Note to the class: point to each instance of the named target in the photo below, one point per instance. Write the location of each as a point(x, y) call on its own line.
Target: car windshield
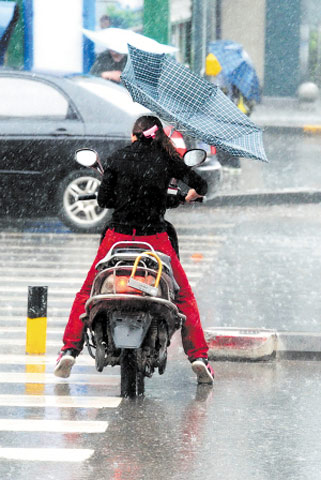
point(115, 94)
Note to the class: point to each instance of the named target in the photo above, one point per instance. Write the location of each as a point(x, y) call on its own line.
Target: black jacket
point(135, 185)
point(105, 63)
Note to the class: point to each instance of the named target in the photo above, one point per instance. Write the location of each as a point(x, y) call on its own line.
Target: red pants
point(192, 333)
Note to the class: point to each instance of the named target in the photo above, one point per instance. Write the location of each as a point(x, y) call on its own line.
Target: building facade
point(283, 38)
point(269, 30)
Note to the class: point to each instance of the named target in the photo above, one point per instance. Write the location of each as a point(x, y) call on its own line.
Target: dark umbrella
point(192, 104)
point(237, 67)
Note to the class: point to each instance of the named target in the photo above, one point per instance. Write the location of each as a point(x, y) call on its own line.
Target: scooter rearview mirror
point(194, 157)
point(87, 157)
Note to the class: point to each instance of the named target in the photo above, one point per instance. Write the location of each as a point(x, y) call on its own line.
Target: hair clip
point(151, 132)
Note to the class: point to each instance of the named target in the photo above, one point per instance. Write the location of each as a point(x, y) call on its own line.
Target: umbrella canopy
point(237, 67)
point(192, 104)
point(117, 39)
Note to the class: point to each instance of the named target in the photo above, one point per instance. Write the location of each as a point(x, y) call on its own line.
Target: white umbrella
point(117, 39)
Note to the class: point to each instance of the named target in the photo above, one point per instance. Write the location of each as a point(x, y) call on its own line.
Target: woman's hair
point(149, 130)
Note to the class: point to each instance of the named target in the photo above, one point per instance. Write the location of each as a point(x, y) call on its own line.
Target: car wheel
point(80, 215)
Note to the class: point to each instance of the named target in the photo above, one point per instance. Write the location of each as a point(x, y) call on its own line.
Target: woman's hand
point(113, 75)
point(192, 195)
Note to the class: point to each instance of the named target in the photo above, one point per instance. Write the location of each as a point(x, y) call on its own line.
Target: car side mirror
point(194, 157)
point(87, 157)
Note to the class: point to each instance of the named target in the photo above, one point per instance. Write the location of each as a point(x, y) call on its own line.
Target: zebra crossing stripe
point(60, 401)
point(10, 359)
point(23, 289)
point(18, 342)
point(53, 426)
point(46, 454)
point(47, 378)
point(52, 330)
point(54, 280)
point(202, 226)
point(200, 238)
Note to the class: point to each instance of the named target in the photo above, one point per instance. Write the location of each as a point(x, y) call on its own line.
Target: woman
point(135, 185)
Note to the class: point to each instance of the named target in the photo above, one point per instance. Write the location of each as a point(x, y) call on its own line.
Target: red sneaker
point(65, 362)
point(203, 370)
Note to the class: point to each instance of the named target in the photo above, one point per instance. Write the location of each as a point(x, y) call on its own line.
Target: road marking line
point(18, 342)
point(20, 321)
point(61, 236)
point(89, 247)
point(59, 282)
point(34, 279)
point(11, 359)
point(62, 303)
point(24, 290)
point(201, 238)
point(59, 401)
point(61, 426)
point(200, 226)
point(63, 250)
point(53, 249)
point(52, 272)
point(47, 378)
point(51, 330)
point(69, 263)
point(205, 251)
point(46, 454)
point(63, 312)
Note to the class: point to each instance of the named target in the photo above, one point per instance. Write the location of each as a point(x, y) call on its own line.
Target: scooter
point(131, 314)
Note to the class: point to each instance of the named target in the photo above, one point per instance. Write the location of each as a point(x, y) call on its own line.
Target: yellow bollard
point(212, 65)
point(36, 321)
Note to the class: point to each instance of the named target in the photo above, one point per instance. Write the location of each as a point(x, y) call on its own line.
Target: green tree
point(124, 18)
point(315, 57)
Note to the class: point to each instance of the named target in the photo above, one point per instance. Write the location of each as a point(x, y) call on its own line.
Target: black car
point(43, 121)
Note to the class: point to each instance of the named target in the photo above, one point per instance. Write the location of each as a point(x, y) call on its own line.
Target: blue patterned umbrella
point(193, 105)
point(237, 67)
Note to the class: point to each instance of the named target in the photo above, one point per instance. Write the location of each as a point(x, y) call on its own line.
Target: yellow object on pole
point(241, 105)
point(36, 321)
point(212, 65)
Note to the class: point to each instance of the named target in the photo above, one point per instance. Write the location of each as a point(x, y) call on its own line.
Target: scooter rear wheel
point(100, 347)
point(132, 380)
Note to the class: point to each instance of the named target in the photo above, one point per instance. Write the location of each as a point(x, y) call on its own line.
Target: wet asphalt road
point(267, 269)
point(250, 266)
point(255, 266)
point(294, 166)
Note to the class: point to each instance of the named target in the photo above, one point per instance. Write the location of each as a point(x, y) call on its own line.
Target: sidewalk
point(288, 113)
point(291, 132)
point(292, 139)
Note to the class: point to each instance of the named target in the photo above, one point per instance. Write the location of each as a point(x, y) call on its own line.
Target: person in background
point(109, 65)
point(104, 22)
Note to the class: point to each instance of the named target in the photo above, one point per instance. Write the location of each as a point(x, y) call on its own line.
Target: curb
point(243, 344)
point(286, 128)
point(268, 198)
